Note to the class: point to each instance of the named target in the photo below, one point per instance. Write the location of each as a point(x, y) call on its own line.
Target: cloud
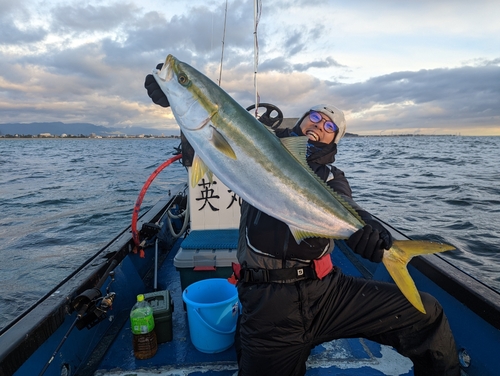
point(461, 96)
point(10, 34)
point(86, 61)
point(16, 25)
point(326, 63)
point(281, 64)
point(296, 41)
point(91, 18)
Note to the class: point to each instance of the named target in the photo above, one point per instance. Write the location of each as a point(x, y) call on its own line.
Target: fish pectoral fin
point(300, 234)
point(397, 258)
point(198, 170)
point(220, 143)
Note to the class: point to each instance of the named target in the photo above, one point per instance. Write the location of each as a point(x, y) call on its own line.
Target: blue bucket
point(212, 310)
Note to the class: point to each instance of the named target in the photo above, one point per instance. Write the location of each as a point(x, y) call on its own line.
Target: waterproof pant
point(281, 323)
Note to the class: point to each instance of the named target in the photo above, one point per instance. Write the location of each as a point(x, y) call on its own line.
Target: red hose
point(137, 206)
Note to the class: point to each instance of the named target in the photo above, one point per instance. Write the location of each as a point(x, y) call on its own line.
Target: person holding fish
point(294, 299)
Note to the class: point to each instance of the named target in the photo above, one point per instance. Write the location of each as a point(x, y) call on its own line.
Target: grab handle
point(211, 327)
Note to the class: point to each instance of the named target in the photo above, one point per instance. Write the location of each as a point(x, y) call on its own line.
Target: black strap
point(277, 275)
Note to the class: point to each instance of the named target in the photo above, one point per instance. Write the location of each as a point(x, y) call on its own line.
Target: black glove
point(370, 241)
point(154, 91)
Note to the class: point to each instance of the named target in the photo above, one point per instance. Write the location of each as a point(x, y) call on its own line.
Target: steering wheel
point(266, 118)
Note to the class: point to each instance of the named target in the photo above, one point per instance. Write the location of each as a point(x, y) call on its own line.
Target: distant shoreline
point(348, 135)
point(30, 137)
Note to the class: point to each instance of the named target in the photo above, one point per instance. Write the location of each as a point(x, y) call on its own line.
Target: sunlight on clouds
point(283, 89)
point(15, 51)
point(390, 67)
point(156, 117)
point(7, 85)
point(381, 112)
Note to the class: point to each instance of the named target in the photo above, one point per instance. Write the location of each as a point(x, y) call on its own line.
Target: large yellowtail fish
point(269, 173)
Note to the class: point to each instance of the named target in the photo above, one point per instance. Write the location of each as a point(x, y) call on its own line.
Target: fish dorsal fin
point(220, 143)
point(198, 170)
point(270, 129)
point(297, 147)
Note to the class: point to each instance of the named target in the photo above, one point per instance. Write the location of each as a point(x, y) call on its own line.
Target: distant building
point(44, 135)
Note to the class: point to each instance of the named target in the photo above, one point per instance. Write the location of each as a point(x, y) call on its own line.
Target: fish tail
point(397, 258)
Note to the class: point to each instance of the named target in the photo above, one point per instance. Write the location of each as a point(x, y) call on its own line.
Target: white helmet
point(336, 115)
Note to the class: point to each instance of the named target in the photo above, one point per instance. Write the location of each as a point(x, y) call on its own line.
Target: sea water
point(62, 200)
point(438, 188)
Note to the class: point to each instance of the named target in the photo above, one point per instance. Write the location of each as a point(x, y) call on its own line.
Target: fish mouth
point(166, 72)
point(313, 136)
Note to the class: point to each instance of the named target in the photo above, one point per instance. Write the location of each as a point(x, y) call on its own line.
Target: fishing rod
point(85, 303)
point(223, 43)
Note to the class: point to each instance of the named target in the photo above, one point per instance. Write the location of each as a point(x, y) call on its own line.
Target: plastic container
point(206, 254)
point(162, 306)
point(142, 324)
point(212, 308)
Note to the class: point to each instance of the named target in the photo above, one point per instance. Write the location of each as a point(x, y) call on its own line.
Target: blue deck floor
point(341, 357)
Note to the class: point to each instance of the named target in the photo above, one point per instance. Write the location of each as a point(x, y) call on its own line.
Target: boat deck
point(179, 357)
point(44, 339)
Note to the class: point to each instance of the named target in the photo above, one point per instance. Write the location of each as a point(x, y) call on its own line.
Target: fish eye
point(183, 79)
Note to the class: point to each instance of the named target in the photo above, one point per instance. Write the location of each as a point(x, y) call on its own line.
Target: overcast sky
point(392, 66)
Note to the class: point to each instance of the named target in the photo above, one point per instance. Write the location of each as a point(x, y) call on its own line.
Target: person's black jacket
point(270, 236)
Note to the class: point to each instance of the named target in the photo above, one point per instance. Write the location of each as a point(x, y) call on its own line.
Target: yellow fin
point(270, 129)
point(221, 144)
point(300, 235)
point(397, 258)
point(198, 170)
point(297, 147)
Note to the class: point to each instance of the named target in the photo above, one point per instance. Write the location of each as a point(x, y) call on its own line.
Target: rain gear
point(284, 318)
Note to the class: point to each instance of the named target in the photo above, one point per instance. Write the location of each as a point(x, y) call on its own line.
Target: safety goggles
point(328, 126)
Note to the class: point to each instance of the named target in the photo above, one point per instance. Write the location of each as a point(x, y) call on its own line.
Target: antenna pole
point(223, 42)
point(257, 6)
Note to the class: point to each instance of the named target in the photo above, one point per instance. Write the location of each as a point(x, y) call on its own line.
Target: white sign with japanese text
point(213, 205)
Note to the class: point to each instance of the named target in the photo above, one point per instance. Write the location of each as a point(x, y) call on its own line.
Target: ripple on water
point(63, 200)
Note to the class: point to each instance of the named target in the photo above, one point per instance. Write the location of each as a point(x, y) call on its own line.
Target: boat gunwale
point(474, 294)
point(25, 334)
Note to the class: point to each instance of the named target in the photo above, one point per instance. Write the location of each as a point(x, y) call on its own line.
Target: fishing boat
point(189, 240)
point(82, 326)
